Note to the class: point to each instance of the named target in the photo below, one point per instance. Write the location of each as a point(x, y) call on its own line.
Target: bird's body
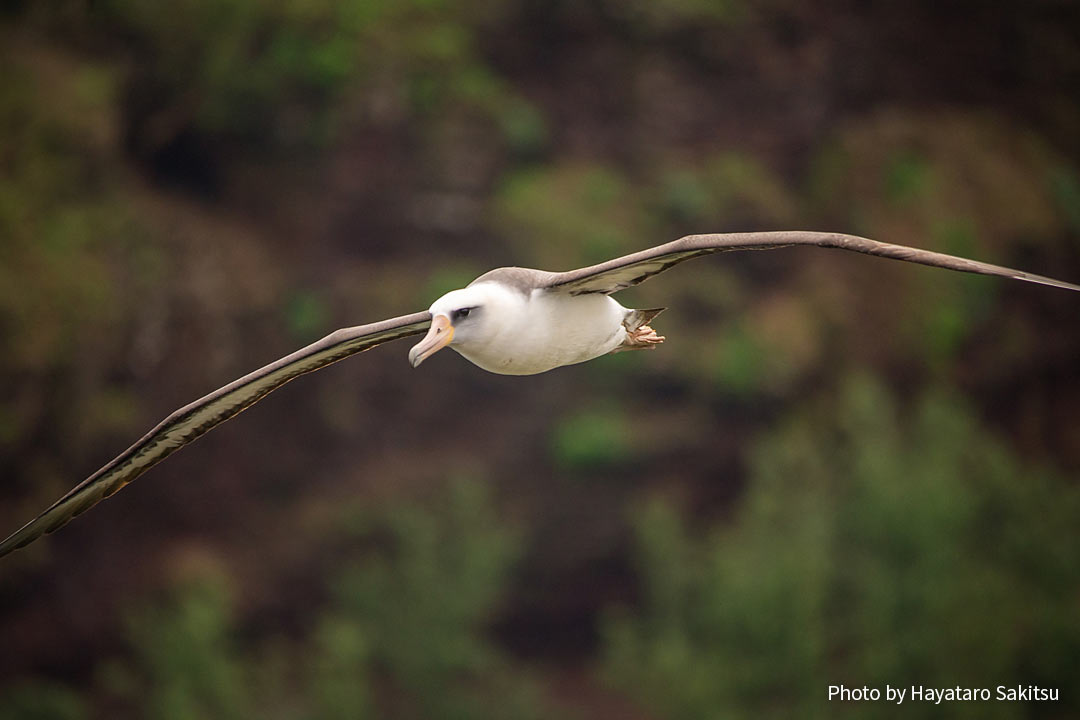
point(512, 321)
point(515, 331)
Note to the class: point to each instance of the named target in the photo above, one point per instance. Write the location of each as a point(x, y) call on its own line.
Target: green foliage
point(288, 73)
point(524, 127)
point(405, 630)
point(907, 177)
point(242, 59)
point(577, 213)
point(306, 314)
point(57, 224)
point(340, 662)
point(872, 547)
point(931, 180)
point(684, 197)
point(1065, 186)
point(187, 665)
point(572, 213)
point(872, 544)
point(906, 172)
point(421, 606)
point(721, 188)
point(951, 311)
point(592, 439)
point(40, 700)
point(444, 279)
point(740, 358)
point(768, 349)
point(73, 251)
point(416, 610)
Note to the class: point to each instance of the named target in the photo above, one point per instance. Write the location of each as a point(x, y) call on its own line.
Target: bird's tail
point(637, 318)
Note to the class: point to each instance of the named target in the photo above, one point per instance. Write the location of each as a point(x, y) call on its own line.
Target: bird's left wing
point(191, 421)
point(629, 270)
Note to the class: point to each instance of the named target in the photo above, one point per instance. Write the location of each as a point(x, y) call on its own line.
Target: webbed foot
point(641, 338)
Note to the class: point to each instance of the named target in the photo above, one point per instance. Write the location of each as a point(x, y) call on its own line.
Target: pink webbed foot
point(642, 338)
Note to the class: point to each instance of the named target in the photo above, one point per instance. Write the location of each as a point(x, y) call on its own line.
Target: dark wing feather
point(191, 421)
point(624, 272)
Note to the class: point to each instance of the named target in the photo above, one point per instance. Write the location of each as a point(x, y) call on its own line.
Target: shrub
point(872, 547)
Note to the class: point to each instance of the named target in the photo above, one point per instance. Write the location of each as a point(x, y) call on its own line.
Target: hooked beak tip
point(439, 336)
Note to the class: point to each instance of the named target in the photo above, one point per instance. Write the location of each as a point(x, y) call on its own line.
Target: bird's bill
point(438, 336)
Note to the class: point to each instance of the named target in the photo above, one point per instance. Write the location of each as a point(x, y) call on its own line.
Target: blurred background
point(836, 470)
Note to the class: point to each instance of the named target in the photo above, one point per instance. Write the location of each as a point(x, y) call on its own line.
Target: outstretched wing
point(624, 272)
point(191, 421)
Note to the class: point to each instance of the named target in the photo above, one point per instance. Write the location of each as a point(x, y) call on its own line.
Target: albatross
point(511, 321)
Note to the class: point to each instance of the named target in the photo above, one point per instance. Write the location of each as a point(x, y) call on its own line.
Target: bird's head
point(459, 317)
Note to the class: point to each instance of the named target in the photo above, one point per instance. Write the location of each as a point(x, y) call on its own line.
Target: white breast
point(525, 335)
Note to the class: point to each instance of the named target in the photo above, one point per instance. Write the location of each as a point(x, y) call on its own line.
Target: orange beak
point(438, 336)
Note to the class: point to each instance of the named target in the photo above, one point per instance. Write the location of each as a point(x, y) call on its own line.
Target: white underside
point(546, 330)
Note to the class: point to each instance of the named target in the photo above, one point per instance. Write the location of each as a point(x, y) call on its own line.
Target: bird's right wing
point(191, 421)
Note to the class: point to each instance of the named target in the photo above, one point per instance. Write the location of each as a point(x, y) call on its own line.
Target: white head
point(464, 317)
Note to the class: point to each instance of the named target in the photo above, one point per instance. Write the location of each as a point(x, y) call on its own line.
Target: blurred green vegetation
point(722, 189)
point(307, 315)
point(73, 251)
point(959, 308)
point(421, 608)
point(863, 539)
point(593, 439)
point(187, 664)
point(290, 74)
point(60, 217)
point(581, 213)
point(927, 179)
point(404, 634)
point(740, 360)
point(767, 349)
point(574, 214)
point(1066, 191)
point(41, 700)
point(875, 544)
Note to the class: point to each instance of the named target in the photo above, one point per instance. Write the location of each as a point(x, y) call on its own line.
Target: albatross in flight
point(512, 321)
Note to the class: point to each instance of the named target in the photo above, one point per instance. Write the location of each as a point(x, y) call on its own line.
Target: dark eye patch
point(461, 313)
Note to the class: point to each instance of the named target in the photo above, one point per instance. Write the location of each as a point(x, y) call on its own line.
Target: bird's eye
point(461, 314)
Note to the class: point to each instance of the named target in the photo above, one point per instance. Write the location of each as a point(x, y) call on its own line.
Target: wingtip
point(1051, 282)
point(42, 525)
point(12, 543)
